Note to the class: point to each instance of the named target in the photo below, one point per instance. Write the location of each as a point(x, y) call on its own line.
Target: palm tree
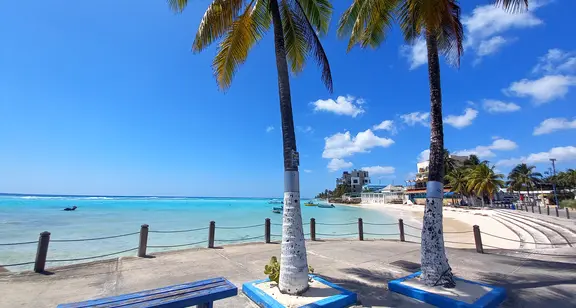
point(367, 23)
point(484, 182)
point(523, 176)
point(296, 24)
point(458, 180)
point(449, 162)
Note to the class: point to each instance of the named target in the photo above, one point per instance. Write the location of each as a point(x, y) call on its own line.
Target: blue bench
point(201, 293)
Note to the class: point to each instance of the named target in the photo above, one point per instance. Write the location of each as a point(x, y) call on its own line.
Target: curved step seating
point(554, 236)
point(539, 237)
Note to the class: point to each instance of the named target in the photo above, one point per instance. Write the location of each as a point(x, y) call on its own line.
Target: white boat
point(275, 201)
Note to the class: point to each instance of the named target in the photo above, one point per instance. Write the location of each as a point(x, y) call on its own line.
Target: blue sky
point(106, 98)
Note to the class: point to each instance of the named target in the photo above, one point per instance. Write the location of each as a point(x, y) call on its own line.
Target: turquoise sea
point(23, 218)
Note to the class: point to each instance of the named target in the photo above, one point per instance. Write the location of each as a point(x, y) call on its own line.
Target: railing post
point(539, 210)
point(557, 214)
point(532, 208)
point(526, 208)
point(567, 213)
point(360, 230)
point(211, 232)
point(42, 252)
point(267, 230)
point(313, 229)
point(143, 241)
point(401, 227)
point(548, 210)
point(478, 239)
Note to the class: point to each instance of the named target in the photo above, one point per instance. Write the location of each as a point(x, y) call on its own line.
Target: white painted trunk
point(293, 262)
point(435, 268)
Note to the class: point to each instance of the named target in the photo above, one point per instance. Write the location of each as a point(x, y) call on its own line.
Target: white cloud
point(269, 128)
point(556, 61)
point(343, 105)
point(307, 170)
point(375, 170)
point(416, 118)
point(416, 53)
point(490, 46)
point(336, 164)
point(386, 125)
point(305, 129)
point(342, 145)
point(423, 156)
point(487, 150)
point(461, 121)
point(495, 106)
point(561, 154)
point(543, 90)
point(410, 176)
point(554, 124)
point(485, 26)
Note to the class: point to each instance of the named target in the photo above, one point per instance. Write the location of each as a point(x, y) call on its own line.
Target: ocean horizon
point(238, 219)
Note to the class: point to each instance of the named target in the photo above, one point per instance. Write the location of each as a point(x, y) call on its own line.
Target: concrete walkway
point(532, 280)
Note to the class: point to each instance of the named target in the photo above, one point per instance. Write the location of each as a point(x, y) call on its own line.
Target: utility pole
point(553, 160)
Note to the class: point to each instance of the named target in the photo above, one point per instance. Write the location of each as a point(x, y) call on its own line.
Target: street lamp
point(553, 160)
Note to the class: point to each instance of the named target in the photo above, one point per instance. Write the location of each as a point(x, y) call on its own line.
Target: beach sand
point(458, 224)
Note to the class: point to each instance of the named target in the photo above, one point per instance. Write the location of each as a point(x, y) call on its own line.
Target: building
point(387, 194)
point(416, 188)
point(356, 179)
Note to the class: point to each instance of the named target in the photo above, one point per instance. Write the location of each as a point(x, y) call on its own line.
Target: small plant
point(272, 269)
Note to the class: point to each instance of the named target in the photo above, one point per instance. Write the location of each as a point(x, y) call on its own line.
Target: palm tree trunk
point(435, 268)
point(293, 262)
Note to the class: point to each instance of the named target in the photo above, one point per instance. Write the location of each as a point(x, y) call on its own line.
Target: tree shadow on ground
point(371, 286)
point(534, 290)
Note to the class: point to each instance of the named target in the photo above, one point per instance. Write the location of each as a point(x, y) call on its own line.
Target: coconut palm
point(484, 182)
point(458, 180)
point(523, 176)
point(367, 22)
point(239, 25)
point(449, 162)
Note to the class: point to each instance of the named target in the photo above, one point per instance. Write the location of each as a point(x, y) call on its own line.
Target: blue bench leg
point(205, 305)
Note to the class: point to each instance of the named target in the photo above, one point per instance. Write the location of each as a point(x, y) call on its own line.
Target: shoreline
point(458, 224)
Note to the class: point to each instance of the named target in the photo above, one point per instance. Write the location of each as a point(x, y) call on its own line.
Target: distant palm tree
point(484, 182)
point(523, 176)
point(367, 22)
point(449, 162)
point(296, 24)
point(458, 180)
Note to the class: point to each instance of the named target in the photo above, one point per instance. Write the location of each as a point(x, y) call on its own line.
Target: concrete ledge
point(344, 298)
point(491, 296)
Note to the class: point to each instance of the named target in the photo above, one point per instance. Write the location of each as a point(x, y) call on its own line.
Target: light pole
point(553, 160)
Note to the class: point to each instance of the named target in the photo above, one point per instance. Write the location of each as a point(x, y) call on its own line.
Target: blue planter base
point(492, 298)
point(344, 299)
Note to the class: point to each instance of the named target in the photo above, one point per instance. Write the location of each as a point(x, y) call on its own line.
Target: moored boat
point(327, 206)
point(310, 203)
point(278, 208)
point(277, 211)
point(275, 201)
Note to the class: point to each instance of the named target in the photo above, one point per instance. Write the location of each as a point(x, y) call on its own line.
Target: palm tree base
point(293, 263)
point(434, 263)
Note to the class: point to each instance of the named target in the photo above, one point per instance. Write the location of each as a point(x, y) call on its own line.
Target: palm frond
point(217, 19)
point(177, 5)
point(243, 33)
point(451, 34)
point(410, 19)
point(294, 36)
point(366, 21)
point(315, 47)
point(512, 5)
point(318, 12)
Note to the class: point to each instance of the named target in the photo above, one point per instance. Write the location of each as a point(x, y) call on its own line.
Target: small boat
point(278, 208)
point(310, 203)
point(327, 206)
point(275, 201)
point(277, 211)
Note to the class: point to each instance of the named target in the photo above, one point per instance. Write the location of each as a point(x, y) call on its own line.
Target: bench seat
point(202, 293)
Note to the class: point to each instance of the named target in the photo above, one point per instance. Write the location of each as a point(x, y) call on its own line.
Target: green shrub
point(568, 203)
point(272, 269)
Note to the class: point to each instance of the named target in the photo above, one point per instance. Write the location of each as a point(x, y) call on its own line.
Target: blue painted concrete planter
point(344, 299)
point(492, 298)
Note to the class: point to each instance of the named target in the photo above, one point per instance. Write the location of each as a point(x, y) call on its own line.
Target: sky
point(106, 98)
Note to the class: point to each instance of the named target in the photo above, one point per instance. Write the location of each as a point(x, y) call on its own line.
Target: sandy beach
point(457, 225)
